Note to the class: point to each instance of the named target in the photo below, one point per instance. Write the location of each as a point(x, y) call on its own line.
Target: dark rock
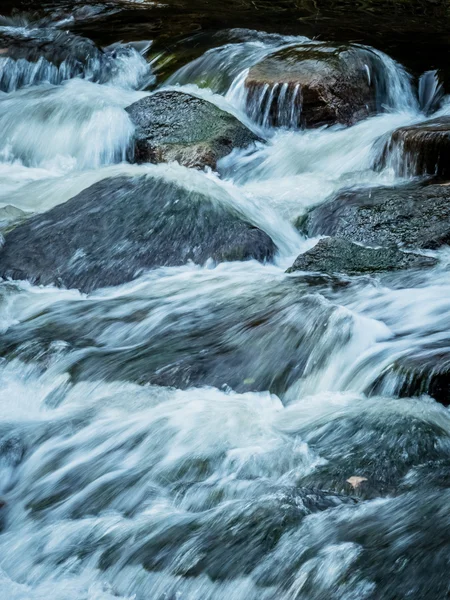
point(422, 149)
point(411, 216)
point(424, 371)
point(53, 45)
point(314, 84)
point(45, 54)
point(265, 337)
point(229, 540)
point(337, 255)
point(174, 126)
point(119, 227)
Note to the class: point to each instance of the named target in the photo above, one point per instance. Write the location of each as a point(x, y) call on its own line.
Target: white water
point(119, 489)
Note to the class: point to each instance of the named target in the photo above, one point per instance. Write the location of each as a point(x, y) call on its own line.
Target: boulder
point(337, 255)
point(119, 227)
point(174, 126)
point(312, 85)
point(411, 216)
point(422, 149)
point(256, 336)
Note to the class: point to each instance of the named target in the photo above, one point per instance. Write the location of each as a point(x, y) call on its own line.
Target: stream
point(289, 466)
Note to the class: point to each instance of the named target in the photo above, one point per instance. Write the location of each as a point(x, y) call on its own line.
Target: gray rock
point(54, 45)
point(265, 337)
point(333, 85)
point(337, 255)
point(174, 126)
point(422, 149)
point(117, 228)
point(411, 216)
point(424, 371)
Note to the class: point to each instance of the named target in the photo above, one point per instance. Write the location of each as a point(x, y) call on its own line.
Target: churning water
point(235, 488)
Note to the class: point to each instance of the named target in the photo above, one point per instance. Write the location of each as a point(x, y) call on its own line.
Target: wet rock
point(29, 56)
point(312, 85)
point(410, 216)
point(228, 541)
point(174, 126)
point(426, 371)
point(337, 255)
point(422, 149)
point(119, 227)
point(266, 337)
point(370, 447)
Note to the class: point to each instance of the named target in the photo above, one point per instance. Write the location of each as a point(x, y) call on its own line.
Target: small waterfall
point(431, 92)
point(280, 103)
point(122, 65)
point(70, 123)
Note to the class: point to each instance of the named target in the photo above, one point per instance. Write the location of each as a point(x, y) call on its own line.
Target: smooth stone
point(114, 230)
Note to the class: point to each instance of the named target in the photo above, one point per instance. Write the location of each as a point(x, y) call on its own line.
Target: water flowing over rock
point(314, 85)
point(30, 56)
point(34, 55)
point(175, 126)
point(120, 227)
point(336, 255)
point(422, 149)
point(181, 418)
point(267, 337)
point(411, 216)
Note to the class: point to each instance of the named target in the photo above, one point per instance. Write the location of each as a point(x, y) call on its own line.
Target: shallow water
point(191, 434)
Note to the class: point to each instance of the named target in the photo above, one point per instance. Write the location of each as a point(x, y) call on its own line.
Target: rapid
point(239, 485)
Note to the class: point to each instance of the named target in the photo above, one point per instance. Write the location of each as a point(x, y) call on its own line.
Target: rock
point(29, 56)
point(337, 255)
point(174, 126)
point(312, 85)
point(411, 216)
point(426, 371)
point(119, 227)
point(422, 149)
point(265, 335)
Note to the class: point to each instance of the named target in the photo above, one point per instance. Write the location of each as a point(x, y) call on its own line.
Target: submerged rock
point(255, 336)
point(312, 85)
point(337, 255)
point(119, 227)
point(174, 126)
point(422, 149)
point(410, 216)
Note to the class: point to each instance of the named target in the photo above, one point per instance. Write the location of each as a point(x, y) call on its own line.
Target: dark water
point(224, 431)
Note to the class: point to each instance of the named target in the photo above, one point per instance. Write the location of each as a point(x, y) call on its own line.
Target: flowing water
point(235, 486)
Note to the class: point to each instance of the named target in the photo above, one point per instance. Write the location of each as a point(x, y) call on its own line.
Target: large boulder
point(337, 255)
point(411, 216)
point(117, 228)
point(422, 149)
point(175, 126)
point(313, 84)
